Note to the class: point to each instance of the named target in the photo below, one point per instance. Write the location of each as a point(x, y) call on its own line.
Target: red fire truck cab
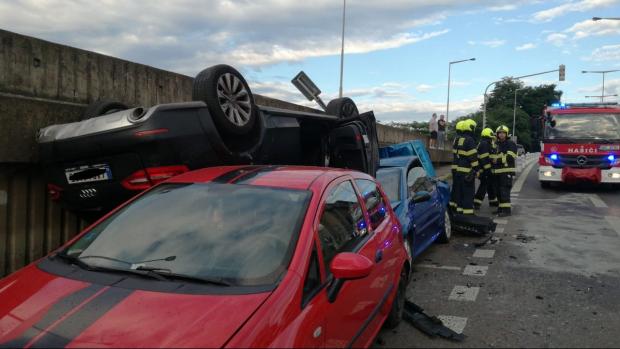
point(581, 143)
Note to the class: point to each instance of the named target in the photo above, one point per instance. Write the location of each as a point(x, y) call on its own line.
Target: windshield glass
point(237, 233)
point(390, 182)
point(580, 126)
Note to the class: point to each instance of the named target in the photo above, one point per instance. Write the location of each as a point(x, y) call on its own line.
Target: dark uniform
point(467, 165)
point(485, 151)
point(455, 193)
point(505, 170)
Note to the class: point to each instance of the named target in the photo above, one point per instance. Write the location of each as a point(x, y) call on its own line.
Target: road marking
point(464, 294)
point(522, 177)
point(614, 222)
point(475, 270)
point(500, 221)
point(499, 230)
point(596, 200)
point(433, 266)
point(484, 253)
point(455, 323)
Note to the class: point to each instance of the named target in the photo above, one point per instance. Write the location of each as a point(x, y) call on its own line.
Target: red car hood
point(38, 309)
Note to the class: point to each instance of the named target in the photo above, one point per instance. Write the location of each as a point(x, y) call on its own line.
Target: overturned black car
point(95, 164)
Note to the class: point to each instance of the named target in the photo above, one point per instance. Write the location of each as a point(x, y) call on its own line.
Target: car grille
point(584, 161)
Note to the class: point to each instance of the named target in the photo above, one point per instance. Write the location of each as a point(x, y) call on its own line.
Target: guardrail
point(524, 160)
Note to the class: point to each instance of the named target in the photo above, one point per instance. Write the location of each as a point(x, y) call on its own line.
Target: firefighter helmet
point(459, 125)
point(470, 125)
point(503, 129)
point(487, 132)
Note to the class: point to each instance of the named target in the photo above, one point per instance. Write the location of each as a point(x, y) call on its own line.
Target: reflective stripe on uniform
point(468, 153)
point(478, 201)
point(475, 164)
point(454, 167)
point(505, 205)
point(463, 169)
point(483, 155)
point(505, 170)
point(493, 201)
point(461, 141)
point(511, 153)
point(468, 211)
point(459, 210)
point(487, 166)
point(452, 204)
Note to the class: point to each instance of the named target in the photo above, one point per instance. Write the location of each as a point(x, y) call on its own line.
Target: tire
point(396, 313)
point(228, 98)
point(446, 234)
point(545, 184)
point(342, 107)
point(103, 107)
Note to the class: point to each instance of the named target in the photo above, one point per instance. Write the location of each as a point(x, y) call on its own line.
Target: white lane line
point(596, 201)
point(522, 177)
point(614, 222)
point(500, 221)
point(484, 253)
point(475, 270)
point(464, 294)
point(455, 323)
point(432, 266)
point(499, 230)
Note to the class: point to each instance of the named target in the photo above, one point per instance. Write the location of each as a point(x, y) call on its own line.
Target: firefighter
point(505, 169)
point(493, 182)
point(485, 152)
point(455, 193)
point(467, 165)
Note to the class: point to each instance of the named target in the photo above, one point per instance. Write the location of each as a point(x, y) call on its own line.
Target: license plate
point(88, 173)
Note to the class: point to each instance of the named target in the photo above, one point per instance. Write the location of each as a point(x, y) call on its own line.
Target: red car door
point(342, 227)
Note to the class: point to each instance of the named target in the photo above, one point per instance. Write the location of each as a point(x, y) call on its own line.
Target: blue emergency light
point(554, 157)
point(611, 158)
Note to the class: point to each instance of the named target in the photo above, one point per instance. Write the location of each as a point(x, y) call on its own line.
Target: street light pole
point(514, 114)
point(344, 10)
point(449, 72)
point(602, 72)
point(484, 105)
point(606, 18)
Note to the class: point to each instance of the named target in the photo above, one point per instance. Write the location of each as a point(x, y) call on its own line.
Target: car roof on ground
point(398, 161)
point(291, 177)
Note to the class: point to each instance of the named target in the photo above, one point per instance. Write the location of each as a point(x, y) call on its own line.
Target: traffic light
point(562, 72)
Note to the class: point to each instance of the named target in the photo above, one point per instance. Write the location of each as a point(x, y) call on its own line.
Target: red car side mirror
point(350, 266)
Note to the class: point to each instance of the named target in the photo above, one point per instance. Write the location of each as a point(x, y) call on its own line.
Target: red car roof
point(292, 177)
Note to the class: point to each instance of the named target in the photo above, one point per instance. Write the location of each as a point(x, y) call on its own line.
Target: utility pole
point(449, 71)
point(602, 72)
point(344, 11)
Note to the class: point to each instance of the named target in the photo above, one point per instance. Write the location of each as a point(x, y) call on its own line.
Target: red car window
point(342, 223)
point(375, 204)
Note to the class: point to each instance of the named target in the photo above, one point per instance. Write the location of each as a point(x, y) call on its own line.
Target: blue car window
point(390, 182)
point(417, 180)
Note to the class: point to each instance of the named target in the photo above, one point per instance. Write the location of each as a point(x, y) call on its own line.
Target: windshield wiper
point(80, 263)
point(167, 259)
point(170, 275)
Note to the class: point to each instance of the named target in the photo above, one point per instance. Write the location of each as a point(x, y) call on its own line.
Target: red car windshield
point(243, 235)
point(584, 126)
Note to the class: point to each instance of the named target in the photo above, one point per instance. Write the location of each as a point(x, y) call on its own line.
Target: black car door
point(353, 144)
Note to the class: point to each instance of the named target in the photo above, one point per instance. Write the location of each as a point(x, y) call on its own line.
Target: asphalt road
point(550, 279)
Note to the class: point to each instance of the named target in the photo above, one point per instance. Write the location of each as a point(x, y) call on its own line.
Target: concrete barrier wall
point(44, 83)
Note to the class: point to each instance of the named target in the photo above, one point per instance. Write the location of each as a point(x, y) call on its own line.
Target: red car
point(243, 256)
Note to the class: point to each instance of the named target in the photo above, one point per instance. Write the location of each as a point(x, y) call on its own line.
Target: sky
point(396, 51)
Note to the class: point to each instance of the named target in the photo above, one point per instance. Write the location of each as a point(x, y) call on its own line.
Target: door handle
point(378, 256)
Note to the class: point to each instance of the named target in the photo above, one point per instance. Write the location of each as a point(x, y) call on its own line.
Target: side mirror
point(421, 196)
point(350, 266)
point(347, 266)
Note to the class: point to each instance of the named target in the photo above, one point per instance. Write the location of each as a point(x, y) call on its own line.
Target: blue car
point(418, 198)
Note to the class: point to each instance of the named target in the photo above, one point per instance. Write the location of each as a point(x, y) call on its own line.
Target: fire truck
point(580, 143)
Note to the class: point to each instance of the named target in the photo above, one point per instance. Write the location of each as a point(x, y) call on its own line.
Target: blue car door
point(423, 213)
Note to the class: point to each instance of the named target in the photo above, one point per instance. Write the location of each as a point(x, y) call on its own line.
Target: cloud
point(611, 87)
point(557, 39)
point(587, 28)
point(524, 47)
point(573, 6)
point(604, 53)
point(423, 88)
point(489, 43)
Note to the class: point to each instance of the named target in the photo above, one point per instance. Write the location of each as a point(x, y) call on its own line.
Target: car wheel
point(445, 235)
point(545, 184)
point(228, 97)
point(396, 313)
point(342, 108)
point(103, 107)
